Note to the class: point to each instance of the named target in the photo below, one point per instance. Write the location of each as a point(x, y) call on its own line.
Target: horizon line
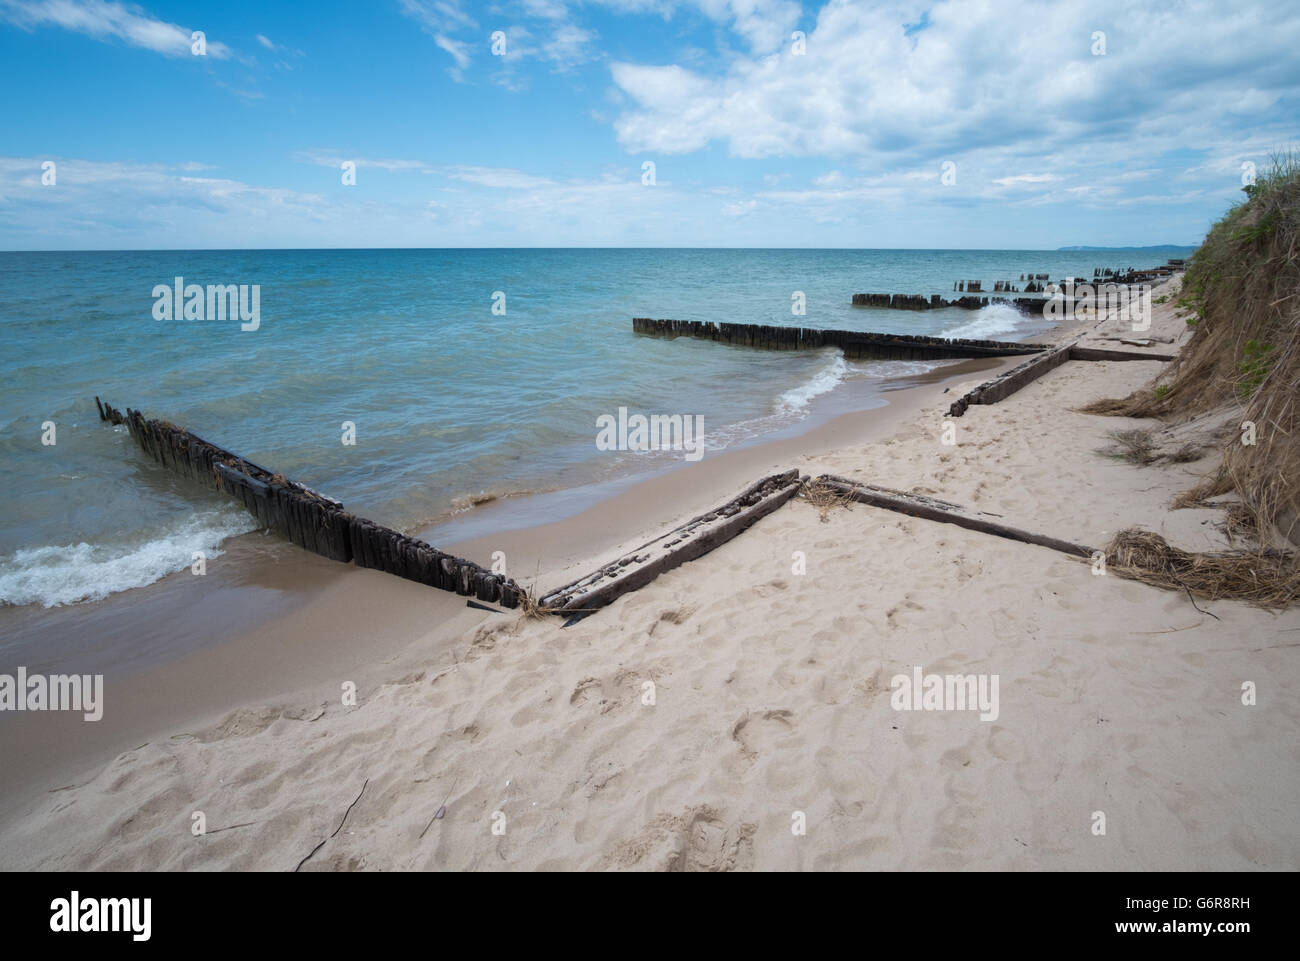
point(1069, 248)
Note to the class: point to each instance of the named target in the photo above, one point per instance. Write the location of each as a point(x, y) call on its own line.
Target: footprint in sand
point(579, 694)
point(698, 839)
point(750, 730)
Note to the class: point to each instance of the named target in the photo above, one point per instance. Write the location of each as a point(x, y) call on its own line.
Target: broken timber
point(929, 508)
point(1100, 353)
point(855, 344)
point(1006, 384)
point(309, 519)
point(693, 539)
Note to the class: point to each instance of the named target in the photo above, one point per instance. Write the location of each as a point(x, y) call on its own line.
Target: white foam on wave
point(886, 369)
point(52, 576)
point(993, 322)
point(822, 382)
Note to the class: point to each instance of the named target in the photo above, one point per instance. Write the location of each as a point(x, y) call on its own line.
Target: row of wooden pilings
point(311, 520)
point(855, 344)
point(938, 302)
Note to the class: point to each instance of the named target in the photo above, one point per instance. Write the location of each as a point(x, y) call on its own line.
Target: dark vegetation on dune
point(1241, 296)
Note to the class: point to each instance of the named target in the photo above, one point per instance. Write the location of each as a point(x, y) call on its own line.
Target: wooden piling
point(854, 344)
point(1006, 384)
point(693, 539)
point(306, 517)
point(1101, 353)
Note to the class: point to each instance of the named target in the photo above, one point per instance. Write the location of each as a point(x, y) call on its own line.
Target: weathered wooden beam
point(855, 344)
point(929, 508)
point(684, 543)
point(309, 519)
point(1101, 353)
point(1006, 384)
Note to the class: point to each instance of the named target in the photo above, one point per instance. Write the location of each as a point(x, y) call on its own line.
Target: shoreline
point(295, 615)
point(771, 694)
point(770, 690)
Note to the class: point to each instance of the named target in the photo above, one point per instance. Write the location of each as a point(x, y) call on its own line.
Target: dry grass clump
point(1213, 485)
point(1242, 293)
point(1134, 405)
point(1135, 446)
point(1139, 447)
point(824, 498)
point(530, 607)
point(1239, 523)
point(1264, 577)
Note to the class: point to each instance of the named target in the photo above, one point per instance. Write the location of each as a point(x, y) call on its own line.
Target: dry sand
point(771, 699)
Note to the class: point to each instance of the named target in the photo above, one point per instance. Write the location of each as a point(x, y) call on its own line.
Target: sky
point(633, 123)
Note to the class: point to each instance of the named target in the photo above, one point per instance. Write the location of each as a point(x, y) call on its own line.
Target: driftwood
point(693, 539)
point(1006, 384)
point(855, 344)
point(1100, 353)
point(929, 508)
point(309, 519)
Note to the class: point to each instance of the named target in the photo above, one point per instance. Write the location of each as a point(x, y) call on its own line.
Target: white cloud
point(1254, 101)
point(440, 19)
point(115, 205)
point(546, 9)
point(1025, 179)
point(1003, 76)
point(335, 159)
point(569, 45)
point(99, 204)
point(106, 20)
point(439, 16)
point(496, 177)
point(459, 50)
point(765, 24)
point(565, 45)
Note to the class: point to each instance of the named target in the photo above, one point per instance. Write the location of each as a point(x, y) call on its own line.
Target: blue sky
point(754, 142)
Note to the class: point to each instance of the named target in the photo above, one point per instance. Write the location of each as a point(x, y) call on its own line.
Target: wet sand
point(268, 618)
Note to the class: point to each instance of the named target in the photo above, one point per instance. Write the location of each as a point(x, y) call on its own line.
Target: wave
point(991, 323)
point(822, 382)
point(53, 576)
point(889, 369)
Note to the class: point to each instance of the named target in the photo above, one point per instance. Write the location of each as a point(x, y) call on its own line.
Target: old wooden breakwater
point(1007, 383)
point(1027, 305)
point(309, 519)
point(854, 344)
point(1064, 296)
point(683, 543)
point(899, 347)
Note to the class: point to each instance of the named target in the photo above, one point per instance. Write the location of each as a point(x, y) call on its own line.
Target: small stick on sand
point(231, 827)
point(337, 829)
point(442, 809)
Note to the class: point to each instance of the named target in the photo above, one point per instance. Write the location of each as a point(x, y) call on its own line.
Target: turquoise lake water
point(449, 399)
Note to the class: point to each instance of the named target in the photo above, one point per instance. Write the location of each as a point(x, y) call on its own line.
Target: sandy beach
point(735, 714)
